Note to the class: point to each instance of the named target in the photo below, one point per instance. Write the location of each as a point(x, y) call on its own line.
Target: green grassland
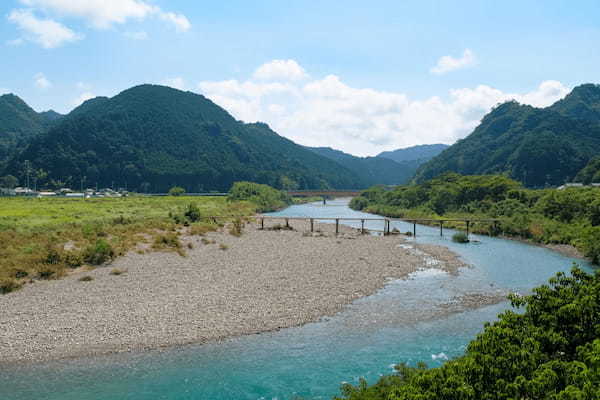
point(49, 237)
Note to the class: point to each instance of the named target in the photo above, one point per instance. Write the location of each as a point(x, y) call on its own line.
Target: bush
point(236, 227)
point(8, 285)
point(460, 237)
point(176, 191)
point(359, 203)
point(98, 253)
point(117, 271)
point(192, 213)
point(170, 240)
point(263, 196)
point(86, 278)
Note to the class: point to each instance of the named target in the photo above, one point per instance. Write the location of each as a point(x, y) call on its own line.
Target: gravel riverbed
point(262, 281)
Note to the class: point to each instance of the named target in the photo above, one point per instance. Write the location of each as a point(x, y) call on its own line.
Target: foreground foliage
point(551, 351)
point(549, 216)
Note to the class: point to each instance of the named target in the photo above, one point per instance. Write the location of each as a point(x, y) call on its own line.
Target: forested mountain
point(18, 124)
point(537, 146)
point(370, 170)
point(421, 153)
point(151, 138)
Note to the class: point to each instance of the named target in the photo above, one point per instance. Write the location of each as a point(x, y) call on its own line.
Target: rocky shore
point(224, 286)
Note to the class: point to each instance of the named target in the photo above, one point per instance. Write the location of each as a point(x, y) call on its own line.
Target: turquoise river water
point(403, 322)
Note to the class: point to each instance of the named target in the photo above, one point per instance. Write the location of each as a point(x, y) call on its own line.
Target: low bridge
point(325, 193)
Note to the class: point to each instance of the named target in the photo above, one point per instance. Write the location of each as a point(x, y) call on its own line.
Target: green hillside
point(421, 153)
point(371, 170)
point(18, 124)
point(151, 138)
point(538, 147)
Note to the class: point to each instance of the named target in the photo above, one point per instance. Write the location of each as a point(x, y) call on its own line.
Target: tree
point(9, 182)
point(176, 191)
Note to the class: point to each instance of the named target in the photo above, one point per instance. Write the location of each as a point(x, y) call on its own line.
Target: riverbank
point(225, 286)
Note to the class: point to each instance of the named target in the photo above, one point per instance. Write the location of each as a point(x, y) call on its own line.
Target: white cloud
point(180, 21)
point(41, 82)
point(103, 14)
point(286, 70)
point(328, 112)
point(83, 97)
point(46, 32)
point(448, 63)
point(177, 83)
point(4, 91)
point(139, 35)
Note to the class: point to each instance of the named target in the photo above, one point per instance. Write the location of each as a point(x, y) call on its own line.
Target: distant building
point(574, 185)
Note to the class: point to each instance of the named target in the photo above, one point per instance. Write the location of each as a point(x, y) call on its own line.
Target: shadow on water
point(397, 324)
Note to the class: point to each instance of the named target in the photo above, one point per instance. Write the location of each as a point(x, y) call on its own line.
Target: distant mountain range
point(537, 146)
point(389, 168)
point(150, 138)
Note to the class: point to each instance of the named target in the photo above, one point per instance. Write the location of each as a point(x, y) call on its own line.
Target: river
point(313, 360)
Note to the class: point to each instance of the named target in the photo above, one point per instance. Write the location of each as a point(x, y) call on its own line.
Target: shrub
point(202, 229)
point(8, 285)
point(223, 246)
point(51, 271)
point(460, 237)
point(236, 227)
point(98, 253)
point(117, 271)
point(192, 213)
point(176, 191)
point(263, 196)
point(86, 278)
point(72, 259)
point(170, 240)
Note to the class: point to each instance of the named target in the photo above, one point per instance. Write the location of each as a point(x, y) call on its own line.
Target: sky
point(362, 77)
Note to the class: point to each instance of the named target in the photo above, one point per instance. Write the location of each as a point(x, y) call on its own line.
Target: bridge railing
point(260, 219)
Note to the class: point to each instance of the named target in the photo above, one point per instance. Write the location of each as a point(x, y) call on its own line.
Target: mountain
point(51, 116)
point(152, 137)
point(422, 153)
point(537, 146)
point(370, 170)
point(18, 124)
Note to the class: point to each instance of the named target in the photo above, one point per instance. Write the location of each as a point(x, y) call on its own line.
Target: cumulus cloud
point(363, 121)
point(286, 70)
point(448, 63)
point(4, 91)
point(103, 14)
point(46, 32)
point(41, 82)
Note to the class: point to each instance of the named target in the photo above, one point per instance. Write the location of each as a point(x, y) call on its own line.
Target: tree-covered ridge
point(539, 147)
point(550, 351)
point(549, 216)
point(371, 170)
point(423, 153)
point(150, 138)
point(591, 172)
point(18, 124)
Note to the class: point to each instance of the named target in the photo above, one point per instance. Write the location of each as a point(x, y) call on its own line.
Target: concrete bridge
point(324, 193)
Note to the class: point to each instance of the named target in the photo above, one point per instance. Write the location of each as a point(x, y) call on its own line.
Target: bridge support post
point(312, 226)
point(324, 200)
point(287, 223)
point(337, 226)
point(362, 226)
point(468, 223)
point(441, 228)
point(415, 228)
point(262, 223)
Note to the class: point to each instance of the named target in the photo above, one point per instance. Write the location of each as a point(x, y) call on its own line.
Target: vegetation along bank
point(547, 216)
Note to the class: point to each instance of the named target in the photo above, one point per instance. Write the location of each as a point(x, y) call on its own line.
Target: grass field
point(46, 238)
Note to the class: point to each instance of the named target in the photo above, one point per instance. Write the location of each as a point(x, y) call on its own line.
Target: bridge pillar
point(324, 200)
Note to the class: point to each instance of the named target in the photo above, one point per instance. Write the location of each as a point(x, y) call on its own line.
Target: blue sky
point(360, 76)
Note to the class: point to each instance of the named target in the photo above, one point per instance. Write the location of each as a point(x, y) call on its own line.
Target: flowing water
point(418, 319)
